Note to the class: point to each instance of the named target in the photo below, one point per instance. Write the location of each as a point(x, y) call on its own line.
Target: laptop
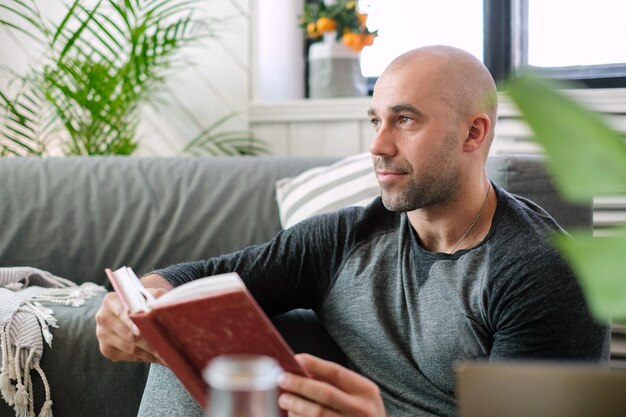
point(534, 389)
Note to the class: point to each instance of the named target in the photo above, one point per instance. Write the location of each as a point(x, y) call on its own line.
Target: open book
point(197, 321)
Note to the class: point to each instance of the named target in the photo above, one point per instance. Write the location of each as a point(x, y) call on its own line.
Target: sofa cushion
point(527, 176)
point(77, 216)
point(348, 182)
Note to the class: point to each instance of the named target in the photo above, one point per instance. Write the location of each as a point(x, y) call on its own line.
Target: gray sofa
point(76, 216)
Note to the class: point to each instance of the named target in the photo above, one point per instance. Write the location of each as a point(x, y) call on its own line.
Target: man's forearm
point(156, 281)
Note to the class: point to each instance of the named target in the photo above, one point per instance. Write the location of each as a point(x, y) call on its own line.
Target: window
point(589, 36)
point(581, 40)
point(404, 25)
point(587, 46)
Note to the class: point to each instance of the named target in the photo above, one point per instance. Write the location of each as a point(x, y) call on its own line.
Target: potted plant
point(338, 33)
point(100, 65)
point(341, 20)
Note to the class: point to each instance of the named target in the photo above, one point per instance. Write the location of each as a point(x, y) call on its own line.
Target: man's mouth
point(388, 171)
point(388, 176)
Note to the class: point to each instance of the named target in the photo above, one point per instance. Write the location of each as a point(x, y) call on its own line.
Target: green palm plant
point(100, 65)
point(27, 124)
point(212, 141)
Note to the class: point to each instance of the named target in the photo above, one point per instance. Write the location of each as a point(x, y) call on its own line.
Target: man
point(445, 267)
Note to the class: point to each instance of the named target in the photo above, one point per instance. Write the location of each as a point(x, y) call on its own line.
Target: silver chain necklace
point(474, 222)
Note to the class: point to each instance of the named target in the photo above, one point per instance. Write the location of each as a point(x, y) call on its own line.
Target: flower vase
point(334, 70)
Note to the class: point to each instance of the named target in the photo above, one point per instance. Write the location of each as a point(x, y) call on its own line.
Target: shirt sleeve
point(541, 313)
point(293, 270)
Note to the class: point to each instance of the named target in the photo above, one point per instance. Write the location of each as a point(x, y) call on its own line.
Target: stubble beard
point(435, 184)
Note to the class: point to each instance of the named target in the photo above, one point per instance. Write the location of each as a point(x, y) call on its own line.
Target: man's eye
point(375, 122)
point(404, 119)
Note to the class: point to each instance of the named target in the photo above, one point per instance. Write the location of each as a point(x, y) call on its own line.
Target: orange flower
point(362, 19)
point(341, 17)
point(325, 24)
point(354, 41)
point(311, 30)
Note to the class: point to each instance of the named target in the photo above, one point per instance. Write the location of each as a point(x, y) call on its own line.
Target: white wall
point(276, 41)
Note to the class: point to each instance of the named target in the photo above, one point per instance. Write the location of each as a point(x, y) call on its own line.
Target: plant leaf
point(599, 265)
point(35, 20)
point(232, 142)
point(586, 157)
point(66, 18)
point(76, 34)
point(103, 29)
point(20, 128)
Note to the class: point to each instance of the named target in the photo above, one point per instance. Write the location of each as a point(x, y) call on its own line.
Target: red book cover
point(189, 332)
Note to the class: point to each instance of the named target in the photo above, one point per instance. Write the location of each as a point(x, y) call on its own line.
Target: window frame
point(506, 49)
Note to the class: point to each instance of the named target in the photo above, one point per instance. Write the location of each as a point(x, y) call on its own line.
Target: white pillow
point(348, 182)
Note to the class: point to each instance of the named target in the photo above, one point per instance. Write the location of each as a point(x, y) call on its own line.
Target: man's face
point(418, 139)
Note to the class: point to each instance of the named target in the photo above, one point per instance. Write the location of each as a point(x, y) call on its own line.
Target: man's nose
point(384, 142)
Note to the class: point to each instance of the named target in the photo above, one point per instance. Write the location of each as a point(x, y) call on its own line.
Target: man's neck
point(459, 224)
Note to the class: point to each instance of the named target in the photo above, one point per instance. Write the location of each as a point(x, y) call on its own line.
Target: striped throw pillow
point(348, 182)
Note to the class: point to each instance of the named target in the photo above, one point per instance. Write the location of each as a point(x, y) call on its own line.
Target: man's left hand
point(333, 391)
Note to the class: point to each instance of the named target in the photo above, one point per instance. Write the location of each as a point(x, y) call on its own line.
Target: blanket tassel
point(21, 395)
point(6, 387)
point(46, 409)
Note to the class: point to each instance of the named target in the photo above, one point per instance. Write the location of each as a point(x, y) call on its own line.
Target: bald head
point(453, 76)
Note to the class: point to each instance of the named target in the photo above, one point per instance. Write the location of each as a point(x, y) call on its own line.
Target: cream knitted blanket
point(24, 325)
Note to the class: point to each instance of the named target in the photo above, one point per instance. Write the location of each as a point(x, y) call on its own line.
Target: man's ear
point(479, 128)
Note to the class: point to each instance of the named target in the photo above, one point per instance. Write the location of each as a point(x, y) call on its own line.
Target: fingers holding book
point(118, 337)
point(333, 390)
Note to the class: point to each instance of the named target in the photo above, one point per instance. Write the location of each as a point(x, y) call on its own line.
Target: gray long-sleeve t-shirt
point(403, 315)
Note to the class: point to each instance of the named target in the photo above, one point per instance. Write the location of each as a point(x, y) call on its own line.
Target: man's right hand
point(118, 337)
